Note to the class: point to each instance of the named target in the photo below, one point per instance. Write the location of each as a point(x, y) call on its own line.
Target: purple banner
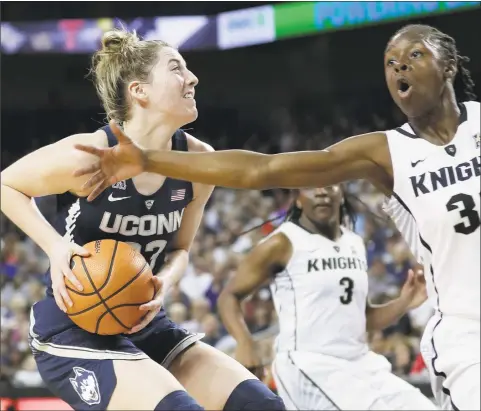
point(83, 35)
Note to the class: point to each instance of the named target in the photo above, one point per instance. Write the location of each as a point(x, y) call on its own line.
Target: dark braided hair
point(447, 45)
point(347, 213)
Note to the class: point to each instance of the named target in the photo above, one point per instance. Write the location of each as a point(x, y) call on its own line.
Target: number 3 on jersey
point(156, 247)
point(466, 206)
point(348, 285)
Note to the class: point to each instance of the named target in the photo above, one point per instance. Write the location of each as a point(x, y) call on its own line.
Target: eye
point(390, 63)
point(175, 68)
point(416, 54)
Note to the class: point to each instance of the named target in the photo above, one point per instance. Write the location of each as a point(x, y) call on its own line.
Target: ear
point(450, 69)
point(137, 91)
point(298, 204)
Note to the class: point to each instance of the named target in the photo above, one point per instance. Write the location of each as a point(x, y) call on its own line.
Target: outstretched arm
point(360, 157)
point(349, 159)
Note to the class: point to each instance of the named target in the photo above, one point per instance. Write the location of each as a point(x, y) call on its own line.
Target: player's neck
point(440, 124)
point(330, 231)
point(150, 131)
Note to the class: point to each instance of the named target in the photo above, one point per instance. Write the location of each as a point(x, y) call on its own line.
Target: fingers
point(59, 300)
point(151, 305)
point(77, 250)
point(60, 292)
point(87, 170)
point(67, 272)
point(96, 178)
point(410, 276)
point(158, 283)
point(97, 190)
point(121, 137)
point(148, 318)
point(90, 149)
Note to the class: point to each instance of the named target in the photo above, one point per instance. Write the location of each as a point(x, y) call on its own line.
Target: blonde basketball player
point(158, 365)
point(429, 169)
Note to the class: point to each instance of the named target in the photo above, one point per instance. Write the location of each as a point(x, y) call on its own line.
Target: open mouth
point(403, 88)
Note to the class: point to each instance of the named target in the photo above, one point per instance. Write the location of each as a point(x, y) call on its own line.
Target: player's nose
point(192, 79)
point(401, 67)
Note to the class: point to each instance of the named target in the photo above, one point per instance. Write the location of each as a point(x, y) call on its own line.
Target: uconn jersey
point(436, 207)
point(148, 222)
point(320, 296)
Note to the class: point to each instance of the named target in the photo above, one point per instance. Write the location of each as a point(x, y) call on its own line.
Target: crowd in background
point(221, 243)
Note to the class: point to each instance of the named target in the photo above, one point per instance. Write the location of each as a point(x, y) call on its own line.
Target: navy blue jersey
point(149, 223)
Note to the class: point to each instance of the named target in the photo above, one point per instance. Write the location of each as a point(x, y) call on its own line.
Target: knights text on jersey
point(436, 206)
point(321, 295)
point(148, 223)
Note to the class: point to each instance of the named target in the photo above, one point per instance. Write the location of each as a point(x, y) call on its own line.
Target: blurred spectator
point(211, 327)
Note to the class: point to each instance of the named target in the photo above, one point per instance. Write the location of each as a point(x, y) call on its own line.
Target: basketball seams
point(102, 316)
point(98, 293)
point(107, 278)
point(114, 293)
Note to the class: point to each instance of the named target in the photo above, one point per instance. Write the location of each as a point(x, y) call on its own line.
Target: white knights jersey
point(436, 207)
point(320, 296)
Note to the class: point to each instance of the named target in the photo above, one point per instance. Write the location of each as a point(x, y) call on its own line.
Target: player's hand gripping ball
point(116, 281)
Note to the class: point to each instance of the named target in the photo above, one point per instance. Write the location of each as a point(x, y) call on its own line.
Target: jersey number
point(348, 285)
point(465, 203)
point(156, 247)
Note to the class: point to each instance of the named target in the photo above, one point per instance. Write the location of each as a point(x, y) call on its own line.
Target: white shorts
point(451, 350)
point(312, 381)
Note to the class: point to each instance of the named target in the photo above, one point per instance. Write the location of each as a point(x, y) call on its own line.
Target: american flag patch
point(177, 195)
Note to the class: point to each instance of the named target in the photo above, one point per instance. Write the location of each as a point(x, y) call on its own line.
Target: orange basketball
point(116, 280)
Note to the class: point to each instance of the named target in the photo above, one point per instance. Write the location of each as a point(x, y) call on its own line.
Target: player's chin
point(323, 214)
point(191, 113)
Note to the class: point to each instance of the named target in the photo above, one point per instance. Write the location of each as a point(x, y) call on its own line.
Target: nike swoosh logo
point(112, 198)
point(415, 163)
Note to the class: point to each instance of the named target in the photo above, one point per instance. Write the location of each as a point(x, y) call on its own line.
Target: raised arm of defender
point(359, 157)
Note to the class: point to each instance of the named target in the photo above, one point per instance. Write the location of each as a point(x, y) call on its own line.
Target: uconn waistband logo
point(86, 386)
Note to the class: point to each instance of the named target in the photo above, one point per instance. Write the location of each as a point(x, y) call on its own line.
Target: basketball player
point(318, 274)
point(429, 169)
point(146, 86)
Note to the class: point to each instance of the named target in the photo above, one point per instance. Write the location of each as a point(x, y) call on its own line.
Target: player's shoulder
point(353, 237)
point(472, 104)
point(66, 146)
point(196, 145)
point(473, 111)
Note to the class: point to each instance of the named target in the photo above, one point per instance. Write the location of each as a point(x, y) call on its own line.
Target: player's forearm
point(174, 268)
point(230, 311)
point(244, 169)
point(19, 209)
point(379, 317)
point(230, 168)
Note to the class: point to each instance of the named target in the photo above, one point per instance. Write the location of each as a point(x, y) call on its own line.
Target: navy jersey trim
point(179, 139)
point(406, 133)
point(427, 246)
point(289, 276)
point(423, 242)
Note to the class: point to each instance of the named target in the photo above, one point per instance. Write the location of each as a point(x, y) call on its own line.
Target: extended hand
point(414, 289)
point(123, 161)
